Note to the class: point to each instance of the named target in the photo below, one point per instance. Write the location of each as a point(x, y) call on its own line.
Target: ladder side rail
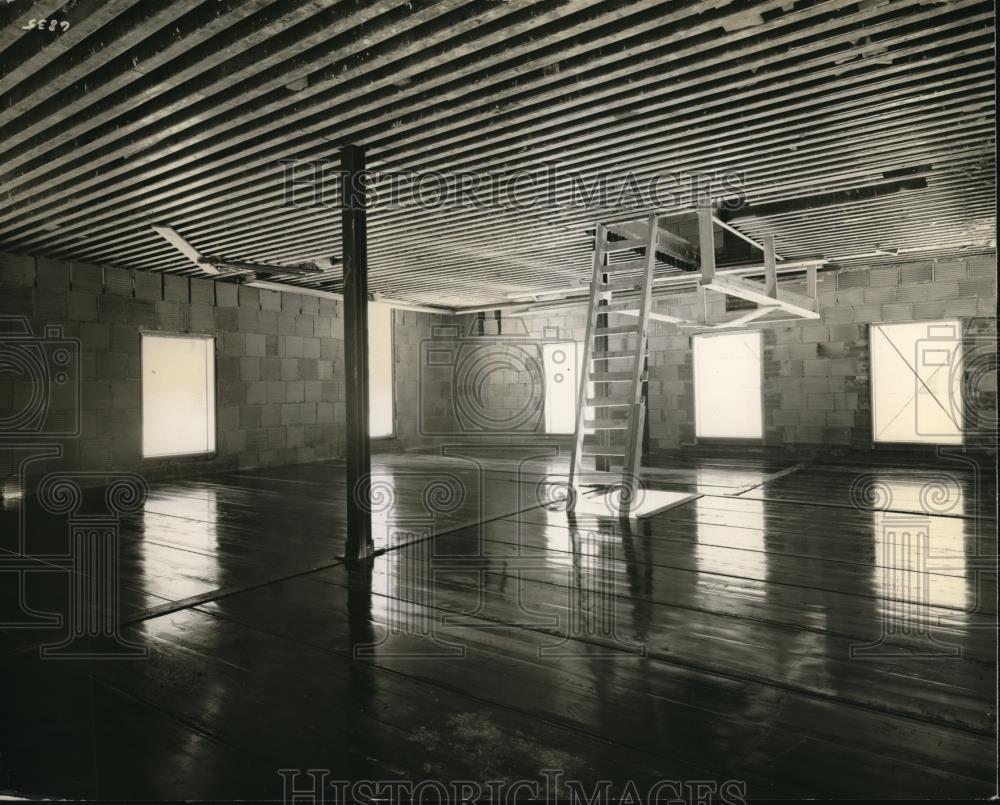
point(601, 236)
point(633, 452)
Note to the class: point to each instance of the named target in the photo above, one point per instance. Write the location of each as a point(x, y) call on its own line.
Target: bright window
point(381, 417)
point(727, 392)
point(178, 395)
point(917, 382)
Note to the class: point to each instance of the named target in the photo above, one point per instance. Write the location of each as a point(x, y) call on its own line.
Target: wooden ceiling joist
point(144, 113)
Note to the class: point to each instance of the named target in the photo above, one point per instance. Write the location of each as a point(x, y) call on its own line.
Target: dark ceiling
point(850, 130)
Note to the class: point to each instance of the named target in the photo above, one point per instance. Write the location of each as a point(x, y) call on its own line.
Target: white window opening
point(727, 386)
point(178, 395)
point(381, 405)
point(916, 377)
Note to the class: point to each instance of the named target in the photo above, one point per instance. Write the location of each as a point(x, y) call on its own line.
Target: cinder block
point(233, 392)
point(289, 369)
point(296, 436)
point(911, 293)
point(308, 369)
point(112, 309)
point(270, 369)
point(125, 394)
point(275, 391)
point(844, 367)
point(256, 392)
point(17, 270)
point(979, 286)
point(148, 286)
point(51, 307)
point(982, 265)
point(878, 296)
point(176, 288)
point(112, 366)
point(961, 307)
point(883, 277)
point(228, 417)
point(916, 272)
point(249, 369)
point(246, 319)
point(852, 279)
point(270, 300)
point(897, 312)
point(81, 306)
point(277, 438)
point(118, 281)
point(291, 303)
point(86, 278)
point(310, 305)
point(52, 275)
point(292, 346)
point(141, 312)
point(231, 344)
point(928, 310)
point(250, 416)
point(866, 313)
point(950, 270)
point(95, 337)
point(168, 316)
point(202, 291)
point(96, 395)
point(254, 344)
point(226, 318)
point(314, 392)
point(942, 290)
point(227, 367)
point(270, 415)
point(291, 414)
point(295, 391)
point(234, 442)
point(845, 332)
point(304, 326)
point(226, 296)
point(310, 348)
point(201, 318)
point(249, 297)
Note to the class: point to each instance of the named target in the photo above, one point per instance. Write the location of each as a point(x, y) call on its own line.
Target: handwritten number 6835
point(42, 25)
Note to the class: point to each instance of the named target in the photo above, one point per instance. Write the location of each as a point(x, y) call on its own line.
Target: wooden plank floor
point(766, 632)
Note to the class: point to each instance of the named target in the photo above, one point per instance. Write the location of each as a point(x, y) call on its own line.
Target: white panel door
point(727, 386)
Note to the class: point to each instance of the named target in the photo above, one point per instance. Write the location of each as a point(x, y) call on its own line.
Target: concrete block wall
point(279, 362)
point(817, 374)
point(422, 398)
point(500, 388)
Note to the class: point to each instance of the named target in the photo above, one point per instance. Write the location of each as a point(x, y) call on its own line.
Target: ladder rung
point(625, 245)
point(594, 450)
point(628, 265)
point(619, 329)
point(606, 424)
point(606, 402)
point(630, 285)
point(614, 377)
point(610, 356)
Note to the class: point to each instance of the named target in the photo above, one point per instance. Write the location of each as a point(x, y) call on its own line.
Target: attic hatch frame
point(769, 298)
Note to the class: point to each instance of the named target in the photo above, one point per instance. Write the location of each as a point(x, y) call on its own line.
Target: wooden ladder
point(619, 414)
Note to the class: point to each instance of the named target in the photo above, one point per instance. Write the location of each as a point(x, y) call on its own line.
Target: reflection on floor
point(808, 631)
